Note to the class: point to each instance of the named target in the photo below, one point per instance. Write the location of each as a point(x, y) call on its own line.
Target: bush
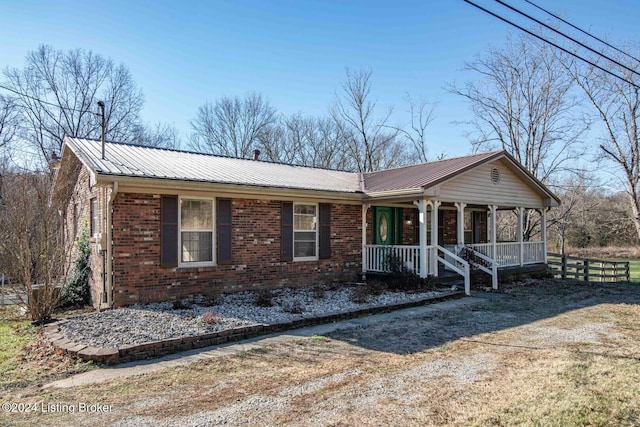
point(76, 291)
point(264, 298)
point(181, 305)
point(400, 278)
point(294, 307)
point(210, 318)
point(362, 293)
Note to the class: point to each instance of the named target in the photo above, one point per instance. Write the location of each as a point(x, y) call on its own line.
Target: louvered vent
point(495, 175)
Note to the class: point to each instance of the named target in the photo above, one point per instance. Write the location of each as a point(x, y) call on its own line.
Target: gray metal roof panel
point(137, 161)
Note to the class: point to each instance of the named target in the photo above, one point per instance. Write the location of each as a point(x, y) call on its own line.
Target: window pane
point(304, 222)
point(196, 214)
point(197, 246)
point(304, 244)
point(304, 249)
point(305, 209)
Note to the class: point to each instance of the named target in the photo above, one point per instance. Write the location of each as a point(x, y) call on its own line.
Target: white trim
point(317, 226)
point(212, 263)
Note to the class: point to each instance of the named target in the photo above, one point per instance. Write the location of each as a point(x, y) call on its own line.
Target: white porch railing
point(508, 253)
point(377, 259)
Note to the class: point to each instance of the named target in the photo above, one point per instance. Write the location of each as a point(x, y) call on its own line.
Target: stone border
point(152, 349)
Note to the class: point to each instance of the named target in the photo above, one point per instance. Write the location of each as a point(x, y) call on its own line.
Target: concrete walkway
point(187, 357)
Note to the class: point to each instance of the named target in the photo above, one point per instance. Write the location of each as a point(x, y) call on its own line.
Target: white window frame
point(317, 248)
point(212, 263)
point(94, 217)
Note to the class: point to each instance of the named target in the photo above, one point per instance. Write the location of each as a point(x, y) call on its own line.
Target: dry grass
point(629, 252)
point(552, 354)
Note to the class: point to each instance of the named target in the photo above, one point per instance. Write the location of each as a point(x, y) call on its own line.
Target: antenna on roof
point(101, 105)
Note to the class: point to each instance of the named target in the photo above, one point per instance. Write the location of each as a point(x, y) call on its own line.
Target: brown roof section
point(424, 175)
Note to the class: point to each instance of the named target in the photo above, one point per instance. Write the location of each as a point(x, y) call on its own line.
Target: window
point(468, 227)
point(305, 231)
point(94, 218)
point(196, 231)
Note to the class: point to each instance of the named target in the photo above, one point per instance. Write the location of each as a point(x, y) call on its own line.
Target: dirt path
point(549, 354)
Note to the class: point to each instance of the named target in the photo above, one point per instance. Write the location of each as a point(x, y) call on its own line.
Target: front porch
point(454, 236)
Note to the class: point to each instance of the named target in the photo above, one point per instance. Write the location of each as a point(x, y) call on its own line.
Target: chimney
point(256, 154)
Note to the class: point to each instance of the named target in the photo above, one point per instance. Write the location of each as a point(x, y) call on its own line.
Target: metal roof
point(146, 162)
point(424, 175)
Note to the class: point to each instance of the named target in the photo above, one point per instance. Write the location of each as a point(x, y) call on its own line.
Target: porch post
point(422, 219)
point(493, 211)
point(435, 205)
point(543, 232)
point(365, 266)
point(460, 228)
point(520, 211)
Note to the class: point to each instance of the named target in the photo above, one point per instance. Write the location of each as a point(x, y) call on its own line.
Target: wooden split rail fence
point(588, 269)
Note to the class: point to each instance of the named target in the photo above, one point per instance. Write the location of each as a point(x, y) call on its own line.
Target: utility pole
point(102, 125)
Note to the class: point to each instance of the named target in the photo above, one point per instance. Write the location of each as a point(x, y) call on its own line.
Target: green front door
point(384, 226)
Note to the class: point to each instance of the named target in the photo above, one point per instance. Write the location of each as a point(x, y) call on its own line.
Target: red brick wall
point(256, 263)
point(77, 215)
point(450, 221)
point(409, 230)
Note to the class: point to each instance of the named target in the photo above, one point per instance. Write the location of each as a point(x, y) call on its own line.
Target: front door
point(384, 226)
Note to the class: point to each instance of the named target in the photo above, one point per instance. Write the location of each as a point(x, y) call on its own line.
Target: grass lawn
point(26, 358)
point(554, 353)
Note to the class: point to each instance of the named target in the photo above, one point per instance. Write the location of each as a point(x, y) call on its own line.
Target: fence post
point(626, 271)
point(586, 270)
point(563, 267)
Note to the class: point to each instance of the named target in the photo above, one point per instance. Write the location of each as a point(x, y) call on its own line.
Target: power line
point(46, 102)
point(566, 36)
point(553, 44)
point(582, 31)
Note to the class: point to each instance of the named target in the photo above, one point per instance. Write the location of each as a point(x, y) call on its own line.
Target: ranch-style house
point(167, 224)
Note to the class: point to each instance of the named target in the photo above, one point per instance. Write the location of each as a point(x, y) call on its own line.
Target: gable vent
point(495, 175)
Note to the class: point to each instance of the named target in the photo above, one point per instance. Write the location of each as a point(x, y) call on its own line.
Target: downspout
point(109, 255)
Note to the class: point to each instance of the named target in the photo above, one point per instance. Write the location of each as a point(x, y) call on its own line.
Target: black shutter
point(169, 231)
point(224, 231)
point(286, 240)
point(325, 230)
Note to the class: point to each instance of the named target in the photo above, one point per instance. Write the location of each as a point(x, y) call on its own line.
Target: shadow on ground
point(517, 305)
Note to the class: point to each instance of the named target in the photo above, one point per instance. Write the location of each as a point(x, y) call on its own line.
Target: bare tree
point(232, 126)
point(305, 140)
point(32, 250)
point(523, 103)
point(421, 115)
point(371, 143)
point(160, 135)
point(9, 120)
point(57, 93)
point(616, 104)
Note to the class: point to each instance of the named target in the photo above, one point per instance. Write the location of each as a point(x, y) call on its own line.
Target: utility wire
point(46, 102)
point(568, 37)
point(553, 44)
point(582, 31)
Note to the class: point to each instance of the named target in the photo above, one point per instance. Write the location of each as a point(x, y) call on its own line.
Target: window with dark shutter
point(224, 231)
point(325, 231)
point(286, 240)
point(169, 231)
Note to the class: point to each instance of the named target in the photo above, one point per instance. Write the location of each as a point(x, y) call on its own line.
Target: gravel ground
point(138, 324)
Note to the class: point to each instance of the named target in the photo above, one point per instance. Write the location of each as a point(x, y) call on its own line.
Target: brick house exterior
point(167, 225)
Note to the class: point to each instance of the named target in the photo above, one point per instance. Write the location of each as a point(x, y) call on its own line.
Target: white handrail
point(494, 267)
point(464, 272)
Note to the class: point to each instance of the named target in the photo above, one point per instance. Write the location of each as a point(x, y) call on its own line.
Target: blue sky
point(183, 53)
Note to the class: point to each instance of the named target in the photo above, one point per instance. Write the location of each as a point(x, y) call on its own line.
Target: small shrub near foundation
point(364, 292)
point(264, 298)
point(295, 307)
point(319, 292)
point(181, 305)
point(211, 318)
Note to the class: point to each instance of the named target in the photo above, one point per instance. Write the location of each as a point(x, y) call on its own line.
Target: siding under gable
point(475, 186)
